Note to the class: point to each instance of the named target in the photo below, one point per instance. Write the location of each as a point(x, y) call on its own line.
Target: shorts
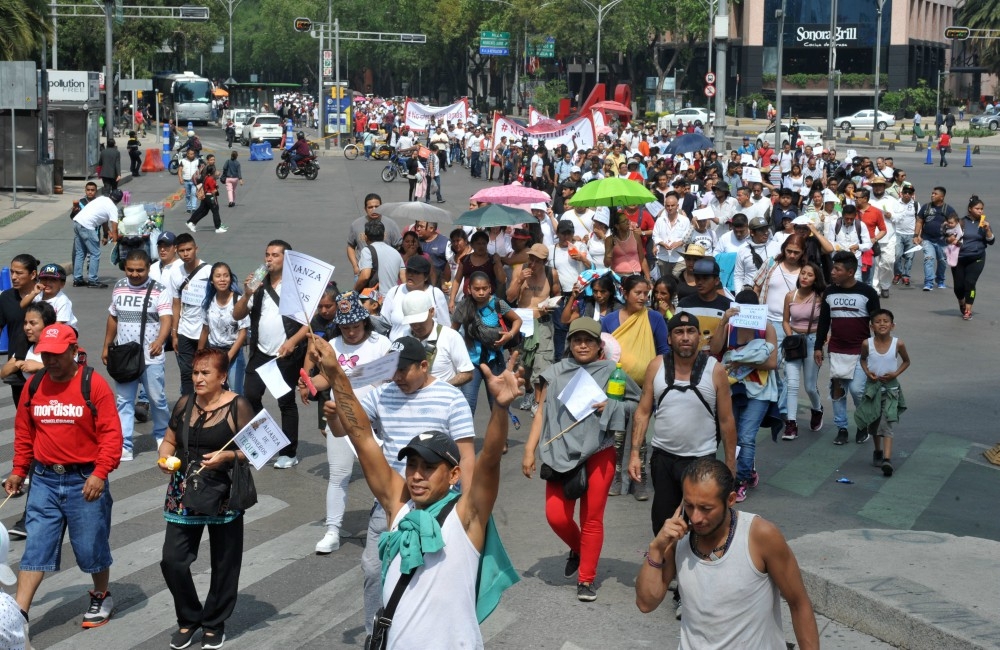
point(55, 504)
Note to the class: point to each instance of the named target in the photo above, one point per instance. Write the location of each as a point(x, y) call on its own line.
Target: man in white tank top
point(730, 567)
point(442, 595)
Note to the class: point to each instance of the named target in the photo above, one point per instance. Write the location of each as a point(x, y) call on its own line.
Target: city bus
point(184, 97)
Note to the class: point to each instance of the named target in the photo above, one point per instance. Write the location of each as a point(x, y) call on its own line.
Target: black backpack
point(85, 382)
point(700, 362)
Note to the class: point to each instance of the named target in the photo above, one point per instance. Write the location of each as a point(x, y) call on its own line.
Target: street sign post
point(709, 90)
point(327, 63)
point(543, 50)
point(494, 43)
point(710, 80)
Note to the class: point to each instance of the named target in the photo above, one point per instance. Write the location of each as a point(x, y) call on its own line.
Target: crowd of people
point(693, 320)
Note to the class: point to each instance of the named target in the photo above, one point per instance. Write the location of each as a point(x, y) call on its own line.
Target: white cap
point(539, 206)
point(802, 220)
point(574, 169)
point(416, 307)
point(602, 218)
point(830, 197)
point(7, 576)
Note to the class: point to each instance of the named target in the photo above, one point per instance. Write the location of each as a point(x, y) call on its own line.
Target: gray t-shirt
point(390, 262)
point(393, 237)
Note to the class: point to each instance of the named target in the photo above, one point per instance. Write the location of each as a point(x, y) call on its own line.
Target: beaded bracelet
point(651, 562)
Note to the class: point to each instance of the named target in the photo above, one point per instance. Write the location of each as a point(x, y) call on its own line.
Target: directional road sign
point(494, 43)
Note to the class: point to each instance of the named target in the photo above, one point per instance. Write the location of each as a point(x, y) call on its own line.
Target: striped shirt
point(397, 417)
point(126, 307)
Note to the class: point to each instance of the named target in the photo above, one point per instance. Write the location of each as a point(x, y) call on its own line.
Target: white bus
point(184, 97)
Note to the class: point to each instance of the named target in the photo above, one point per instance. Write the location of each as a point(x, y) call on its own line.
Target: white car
point(808, 134)
point(262, 126)
point(865, 120)
point(237, 115)
point(686, 115)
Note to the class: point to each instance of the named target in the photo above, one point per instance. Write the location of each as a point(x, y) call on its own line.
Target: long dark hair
point(211, 292)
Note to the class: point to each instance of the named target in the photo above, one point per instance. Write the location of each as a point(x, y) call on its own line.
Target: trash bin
point(58, 172)
point(43, 177)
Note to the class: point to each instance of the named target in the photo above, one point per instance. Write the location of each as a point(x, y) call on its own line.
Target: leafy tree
point(23, 23)
point(983, 14)
point(548, 94)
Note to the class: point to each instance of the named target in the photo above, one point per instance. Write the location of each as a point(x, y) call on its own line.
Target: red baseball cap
point(56, 339)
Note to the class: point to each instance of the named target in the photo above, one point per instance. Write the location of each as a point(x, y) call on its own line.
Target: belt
point(66, 469)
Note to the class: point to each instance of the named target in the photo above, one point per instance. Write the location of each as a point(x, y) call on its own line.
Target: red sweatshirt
point(61, 428)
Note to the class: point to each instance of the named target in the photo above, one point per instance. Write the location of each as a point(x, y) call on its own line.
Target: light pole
point(673, 109)
point(780, 15)
point(230, 7)
point(940, 74)
point(832, 69)
point(712, 7)
point(600, 12)
point(878, 59)
point(109, 75)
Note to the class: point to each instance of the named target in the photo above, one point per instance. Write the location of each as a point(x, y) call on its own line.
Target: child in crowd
point(703, 235)
point(51, 281)
point(884, 359)
point(953, 236)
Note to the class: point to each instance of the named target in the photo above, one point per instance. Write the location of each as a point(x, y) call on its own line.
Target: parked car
point(262, 126)
point(865, 120)
point(808, 134)
point(686, 115)
point(988, 120)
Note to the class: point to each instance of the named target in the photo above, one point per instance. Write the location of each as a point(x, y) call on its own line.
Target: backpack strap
point(697, 370)
point(85, 382)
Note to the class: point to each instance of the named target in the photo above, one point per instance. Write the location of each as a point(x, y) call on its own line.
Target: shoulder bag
point(796, 346)
point(202, 492)
point(127, 362)
point(379, 640)
point(242, 491)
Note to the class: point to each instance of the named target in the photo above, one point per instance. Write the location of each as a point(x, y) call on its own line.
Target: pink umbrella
point(613, 107)
point(510, 194)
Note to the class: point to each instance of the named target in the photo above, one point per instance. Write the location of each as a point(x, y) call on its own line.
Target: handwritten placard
point(309, 278)
point(261, 439)
point(752, 317)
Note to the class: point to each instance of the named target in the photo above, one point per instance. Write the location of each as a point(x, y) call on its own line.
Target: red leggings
point(587, 538)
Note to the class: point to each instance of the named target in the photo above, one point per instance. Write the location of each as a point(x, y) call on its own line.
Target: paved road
point(293, 598)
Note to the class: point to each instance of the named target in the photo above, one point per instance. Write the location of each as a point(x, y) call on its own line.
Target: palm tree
point(23, 23)
point(983, 14)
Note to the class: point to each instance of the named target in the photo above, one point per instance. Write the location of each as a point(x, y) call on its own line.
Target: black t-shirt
point(933, 217)
point(12, 317)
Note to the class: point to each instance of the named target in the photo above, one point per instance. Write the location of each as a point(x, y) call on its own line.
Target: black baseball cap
point(433, 447)
point(707, 266)
point(410, 349)
point(683, 319)
point(418, 264)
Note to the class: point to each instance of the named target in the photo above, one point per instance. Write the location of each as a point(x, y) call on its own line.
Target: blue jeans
point(471, 388)
point(934, 253)
point(152, 380)
point(559, 332)
point(903, 262)
point(237, 371)
point(189, 196)
point(780, 370)
point(368, 151)
point(856, 388)
point(55, 501)
point(748, 419)
point(795, 371)
point(476, 163)
point(88, 242)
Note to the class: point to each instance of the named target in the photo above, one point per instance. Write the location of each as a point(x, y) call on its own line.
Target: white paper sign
point(309, 277)
point(271, 376)
point(375, 372)
point(194, 292)
point(261, 439)
point(752, 317)
point(418, 116)
point(550, 303)
point(581, 395)
point(746, 159)
point(751, 175)
point(911, 251)
point(703, 214)
point(527, 321)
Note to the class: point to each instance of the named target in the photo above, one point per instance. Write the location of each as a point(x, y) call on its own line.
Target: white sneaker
point(127, 454)
point(329, 543)
point(286, 462)
point(221, 229)
point(191, 226)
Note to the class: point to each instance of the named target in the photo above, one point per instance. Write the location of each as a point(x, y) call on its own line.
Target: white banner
point(582, 129)
point(309, 276)
point(418, 116)
point(261, 439)
point(533, 116)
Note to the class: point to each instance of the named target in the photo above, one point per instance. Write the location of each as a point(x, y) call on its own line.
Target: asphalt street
point(292, 598)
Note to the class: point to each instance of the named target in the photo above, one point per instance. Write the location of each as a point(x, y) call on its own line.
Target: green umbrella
point(612, 192)
point(494, 214)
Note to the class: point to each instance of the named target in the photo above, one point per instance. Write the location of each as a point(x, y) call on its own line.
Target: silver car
point(865, 120)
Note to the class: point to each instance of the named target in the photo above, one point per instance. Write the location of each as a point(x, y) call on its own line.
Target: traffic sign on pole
point(710, 79)
point(709, 90)
point(494, 43)
point(327, 63)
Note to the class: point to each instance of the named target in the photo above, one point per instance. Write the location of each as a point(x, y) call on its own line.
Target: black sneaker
point(180, 640)
point(862, 436)
point(572, 565)
point(97, 285)
point(877, 458)
point(585, 592)
point(212, 640)
point(79, 283)
point(887, 467)
point(18, 530)
point(841, 438)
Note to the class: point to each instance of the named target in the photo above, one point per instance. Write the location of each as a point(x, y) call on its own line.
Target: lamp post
point(673, 109)
point(712, 7)
point(878, 59)
point(600, 12)
point(780, 15)
point(832, 69)
point(230, 7)
point(940, 74)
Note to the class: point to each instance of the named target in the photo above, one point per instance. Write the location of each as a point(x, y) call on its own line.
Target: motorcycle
point(308, 166)
point(179, 155)
point(393, 169)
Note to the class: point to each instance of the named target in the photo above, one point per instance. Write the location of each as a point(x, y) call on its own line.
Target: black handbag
point(796, 346)
point(243, 491)
point(379, 639)
point(127, 362)
point(202, 493)
point(574, 481)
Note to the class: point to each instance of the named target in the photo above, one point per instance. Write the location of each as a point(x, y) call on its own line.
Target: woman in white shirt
point(221, 330)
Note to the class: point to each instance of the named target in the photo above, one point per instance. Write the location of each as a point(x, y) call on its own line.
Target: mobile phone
point(684, 514)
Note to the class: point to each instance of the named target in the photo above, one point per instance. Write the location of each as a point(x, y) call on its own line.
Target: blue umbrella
point(689, 142)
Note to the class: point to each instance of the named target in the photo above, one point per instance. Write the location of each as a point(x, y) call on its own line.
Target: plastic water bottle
point(257, 278)
point(616, 384)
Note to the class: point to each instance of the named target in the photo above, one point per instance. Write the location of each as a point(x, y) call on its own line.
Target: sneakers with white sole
point(127, 454)
point(286, 462)
point(102, 607)
point(329, 543)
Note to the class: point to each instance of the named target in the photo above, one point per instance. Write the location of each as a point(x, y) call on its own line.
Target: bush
point(972, 133)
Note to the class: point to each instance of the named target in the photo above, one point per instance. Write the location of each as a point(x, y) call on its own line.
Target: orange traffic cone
point(153, 161)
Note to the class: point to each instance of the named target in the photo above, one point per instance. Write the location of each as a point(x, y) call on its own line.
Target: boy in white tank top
point(883, 358)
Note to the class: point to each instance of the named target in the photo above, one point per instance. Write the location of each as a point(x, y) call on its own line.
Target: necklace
point(712, 555)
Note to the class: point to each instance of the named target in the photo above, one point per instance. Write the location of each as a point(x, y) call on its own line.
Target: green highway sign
point(494, 43)
point(542, 49)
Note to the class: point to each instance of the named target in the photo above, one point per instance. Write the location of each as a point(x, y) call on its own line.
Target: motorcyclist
point(192, 143)
point(299, 150)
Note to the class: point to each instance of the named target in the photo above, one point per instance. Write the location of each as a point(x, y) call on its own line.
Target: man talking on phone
point(731, 567)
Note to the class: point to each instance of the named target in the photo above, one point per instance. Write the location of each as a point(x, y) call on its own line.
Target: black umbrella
point(689, 142)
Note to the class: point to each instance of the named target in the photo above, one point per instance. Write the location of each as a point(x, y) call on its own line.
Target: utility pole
point(780, 14)
point(878, 66)
point(832, 72)
point(721, 31)
point(109, 75)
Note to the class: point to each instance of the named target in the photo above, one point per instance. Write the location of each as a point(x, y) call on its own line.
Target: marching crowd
point(693, 320)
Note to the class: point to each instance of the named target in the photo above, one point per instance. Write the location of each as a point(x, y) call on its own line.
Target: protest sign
point(581, 395)
point(418, 116)
point(751, 175)
point(752, 317)
point(261, 439)
point(375, 372)
point(271, 376)
point(553, 136)
point(309, 277)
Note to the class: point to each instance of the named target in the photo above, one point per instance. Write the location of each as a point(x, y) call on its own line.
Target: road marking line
point(812, 468)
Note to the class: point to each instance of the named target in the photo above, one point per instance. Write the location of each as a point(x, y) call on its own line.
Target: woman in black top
point(215, 417)
point(976, 236)
point(23, 274)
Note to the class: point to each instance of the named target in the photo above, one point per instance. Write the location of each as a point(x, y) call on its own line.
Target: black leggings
point(964, 276)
